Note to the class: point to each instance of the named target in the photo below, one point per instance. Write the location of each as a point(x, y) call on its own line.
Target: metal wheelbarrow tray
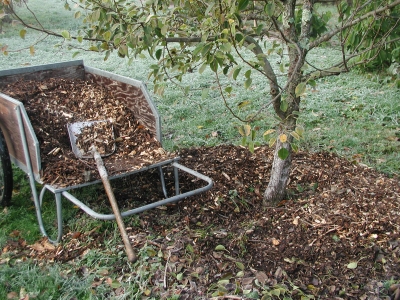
point(24, 150)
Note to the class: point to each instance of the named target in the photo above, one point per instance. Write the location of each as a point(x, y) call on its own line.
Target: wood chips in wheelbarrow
point(53, 103)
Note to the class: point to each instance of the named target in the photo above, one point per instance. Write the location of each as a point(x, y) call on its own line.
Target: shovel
point(96, 147)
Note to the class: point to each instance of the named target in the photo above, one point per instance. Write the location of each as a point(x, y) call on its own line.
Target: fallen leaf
point(278, 273)
point(113, 283)
point(240, 265)
point(12, 295)
point(247, 280)
point(352, 265)
point(48, 246)
point(275, 242)
point(37, 247)
point(220, 248)
point(217, 255)
point(261, 277)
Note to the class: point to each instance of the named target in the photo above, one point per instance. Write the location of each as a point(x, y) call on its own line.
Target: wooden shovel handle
point(107, 186)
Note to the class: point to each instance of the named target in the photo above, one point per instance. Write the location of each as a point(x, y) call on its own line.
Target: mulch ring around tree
point(335, 235)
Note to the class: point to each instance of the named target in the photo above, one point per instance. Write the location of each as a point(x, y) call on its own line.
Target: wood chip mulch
point(54, 103)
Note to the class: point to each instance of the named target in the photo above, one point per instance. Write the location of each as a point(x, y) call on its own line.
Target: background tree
point(6, 8)
point(190, 36)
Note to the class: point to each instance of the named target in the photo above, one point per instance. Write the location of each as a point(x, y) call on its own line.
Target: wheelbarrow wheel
point(6, 177)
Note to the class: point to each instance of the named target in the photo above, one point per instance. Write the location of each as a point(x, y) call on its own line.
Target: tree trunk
point(280, 172)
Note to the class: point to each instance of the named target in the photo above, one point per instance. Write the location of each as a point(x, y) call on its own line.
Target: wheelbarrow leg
point(57, 197)
point(176, 178)
point(162, 179)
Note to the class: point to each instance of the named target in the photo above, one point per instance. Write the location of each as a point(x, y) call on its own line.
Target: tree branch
point(329, 35)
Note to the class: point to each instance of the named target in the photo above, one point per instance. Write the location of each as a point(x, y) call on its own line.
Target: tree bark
point(280, 172)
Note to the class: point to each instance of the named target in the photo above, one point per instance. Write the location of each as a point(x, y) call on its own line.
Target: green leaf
point(189, 248)
point(295, 135)
point(107, 35)
point(352, 265)
point(247, 83)
point(243, 104)
point(334, 70)
point(299, 130)
point(226, 47)
point(225, 70)
point(220, 248)
point(239, 37)
point(253, 295)
point(202, 68)
point(22, 33)
point(164, 29)
point(251, 148)
point(245, 130)
point(269, 8)
point(271, 142)
point(247, 74)
point(259, 29)
point(66, 35)
point(115, 284)
point(228, 89)
point(268, 132)
point(244, 140)
point(240, 265)
point(276, 292)
point(151, 252)
point(158, 53)
point(214, 65)
point(312, 82)
point(315, 74)
point(104, 46)
point(254, 134)
point(123, 50)
point(282, 67)
point(240, 274)
point(107, 55)
point(75, 54)
point(284, 105)
point(206, 49)
point(283, 153)
point(243, 4)
point(93, 48)
point(204, 93)
point(251, 46)
point(179, 276)
point(223, 282)
point(236, 73)
point(300, 89)
point(198, 48)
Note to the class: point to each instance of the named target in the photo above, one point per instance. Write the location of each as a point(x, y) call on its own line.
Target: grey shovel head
point(83, 135)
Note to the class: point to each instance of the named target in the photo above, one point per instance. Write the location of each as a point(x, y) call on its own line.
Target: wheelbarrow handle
point(107, 186)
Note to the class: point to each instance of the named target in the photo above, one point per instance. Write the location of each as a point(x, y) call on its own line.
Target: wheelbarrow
point(20, 144)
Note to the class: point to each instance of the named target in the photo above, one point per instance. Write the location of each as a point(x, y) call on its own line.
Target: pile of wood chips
point(54, 103)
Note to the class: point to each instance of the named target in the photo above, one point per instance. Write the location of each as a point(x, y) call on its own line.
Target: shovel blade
point(83, 135)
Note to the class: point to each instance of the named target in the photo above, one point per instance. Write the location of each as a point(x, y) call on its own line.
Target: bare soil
point(335, 236)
